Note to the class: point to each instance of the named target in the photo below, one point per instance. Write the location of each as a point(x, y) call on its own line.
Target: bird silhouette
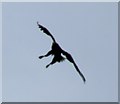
point(56, 51)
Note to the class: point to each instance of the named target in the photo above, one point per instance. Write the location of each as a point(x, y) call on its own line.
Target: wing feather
point(45, 30)
point(69, 57)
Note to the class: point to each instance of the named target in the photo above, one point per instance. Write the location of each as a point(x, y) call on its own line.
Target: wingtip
point(84, 81)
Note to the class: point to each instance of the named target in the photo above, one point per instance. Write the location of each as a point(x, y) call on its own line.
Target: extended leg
point(53, 61)
point(49, 53)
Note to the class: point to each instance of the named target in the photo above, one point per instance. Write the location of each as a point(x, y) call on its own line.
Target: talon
point(47, 66)
point(40, 57)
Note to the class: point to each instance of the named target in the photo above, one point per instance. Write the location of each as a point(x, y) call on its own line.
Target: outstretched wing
point(79, 72)
point(42, 28)
point(69, 57)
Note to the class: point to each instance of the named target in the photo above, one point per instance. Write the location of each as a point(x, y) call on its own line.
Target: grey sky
point(1, 52)
point(86, 30)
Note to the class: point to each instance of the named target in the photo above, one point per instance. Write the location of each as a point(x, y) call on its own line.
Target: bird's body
point(57, 52)
point(55, 47)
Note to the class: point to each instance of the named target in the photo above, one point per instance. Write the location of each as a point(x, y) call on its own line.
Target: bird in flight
point(56, 51)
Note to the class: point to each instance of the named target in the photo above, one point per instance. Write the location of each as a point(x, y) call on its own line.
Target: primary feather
point(42, 28)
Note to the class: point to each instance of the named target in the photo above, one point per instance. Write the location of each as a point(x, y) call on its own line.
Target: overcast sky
point(86, 30)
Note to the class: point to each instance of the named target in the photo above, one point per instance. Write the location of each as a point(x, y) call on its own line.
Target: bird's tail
point(61, 59)
point(42, 28)
point(79, 72)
